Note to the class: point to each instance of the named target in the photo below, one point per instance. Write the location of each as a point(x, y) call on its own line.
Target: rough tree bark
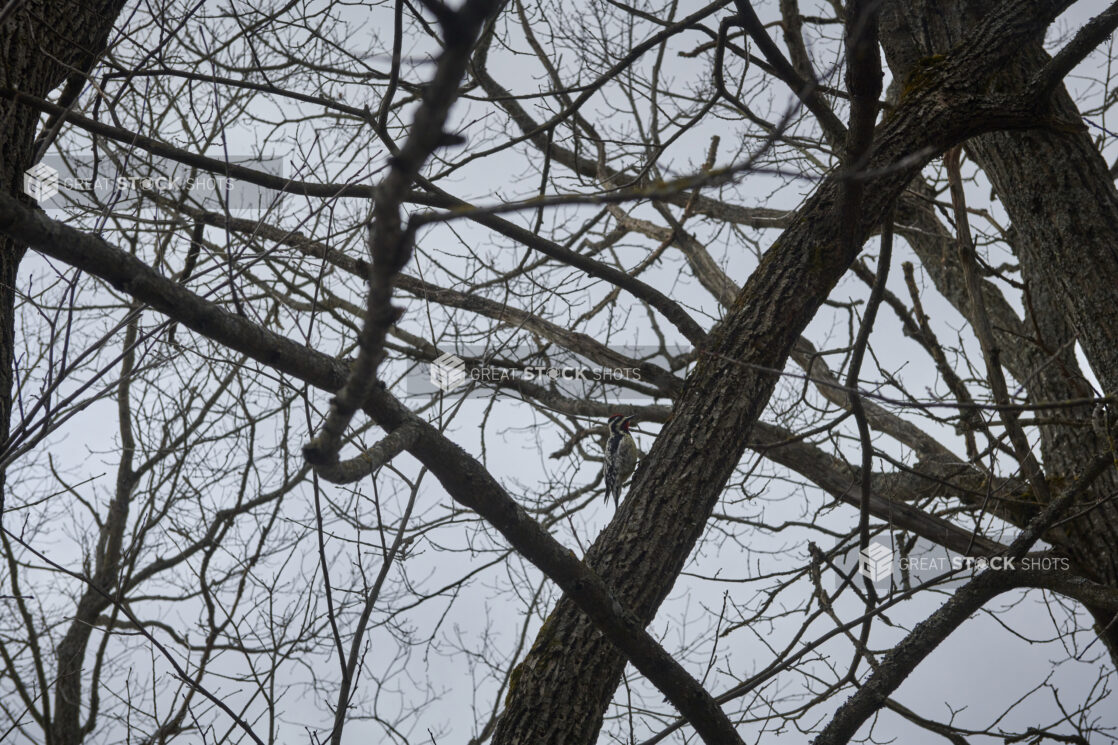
point(560, 692)
point(1064, 207)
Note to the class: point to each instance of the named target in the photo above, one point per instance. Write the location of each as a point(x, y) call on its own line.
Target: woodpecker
point(621, 455)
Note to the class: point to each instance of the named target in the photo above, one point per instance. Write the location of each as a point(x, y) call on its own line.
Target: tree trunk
point(1064, 207)
point(559, 694)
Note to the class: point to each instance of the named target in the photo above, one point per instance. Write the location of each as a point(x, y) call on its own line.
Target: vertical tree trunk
point(1064, 207)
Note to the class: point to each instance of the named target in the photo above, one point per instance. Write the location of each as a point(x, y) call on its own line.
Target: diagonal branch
point(1093, 33)
point(805, 90)
point(932, 631)
point(466, 480)
point(671, 310)
point(575, 341)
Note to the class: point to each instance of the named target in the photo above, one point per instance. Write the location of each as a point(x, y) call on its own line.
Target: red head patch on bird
point(621, 422)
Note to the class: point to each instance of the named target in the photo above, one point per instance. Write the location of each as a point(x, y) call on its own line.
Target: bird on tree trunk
point(621, 455)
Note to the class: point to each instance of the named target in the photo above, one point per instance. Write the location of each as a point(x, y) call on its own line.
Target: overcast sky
point(994, 660)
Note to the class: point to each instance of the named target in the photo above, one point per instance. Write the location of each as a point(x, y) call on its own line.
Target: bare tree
point(852, 254)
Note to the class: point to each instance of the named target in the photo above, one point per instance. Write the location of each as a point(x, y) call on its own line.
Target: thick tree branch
point(1093, 33)
point(725, 291)
point(932, 631)
point(1064, 211)
point(863, 80)
point(464, 478)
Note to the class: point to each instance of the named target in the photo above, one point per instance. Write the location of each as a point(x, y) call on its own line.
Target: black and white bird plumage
point(621, 455)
